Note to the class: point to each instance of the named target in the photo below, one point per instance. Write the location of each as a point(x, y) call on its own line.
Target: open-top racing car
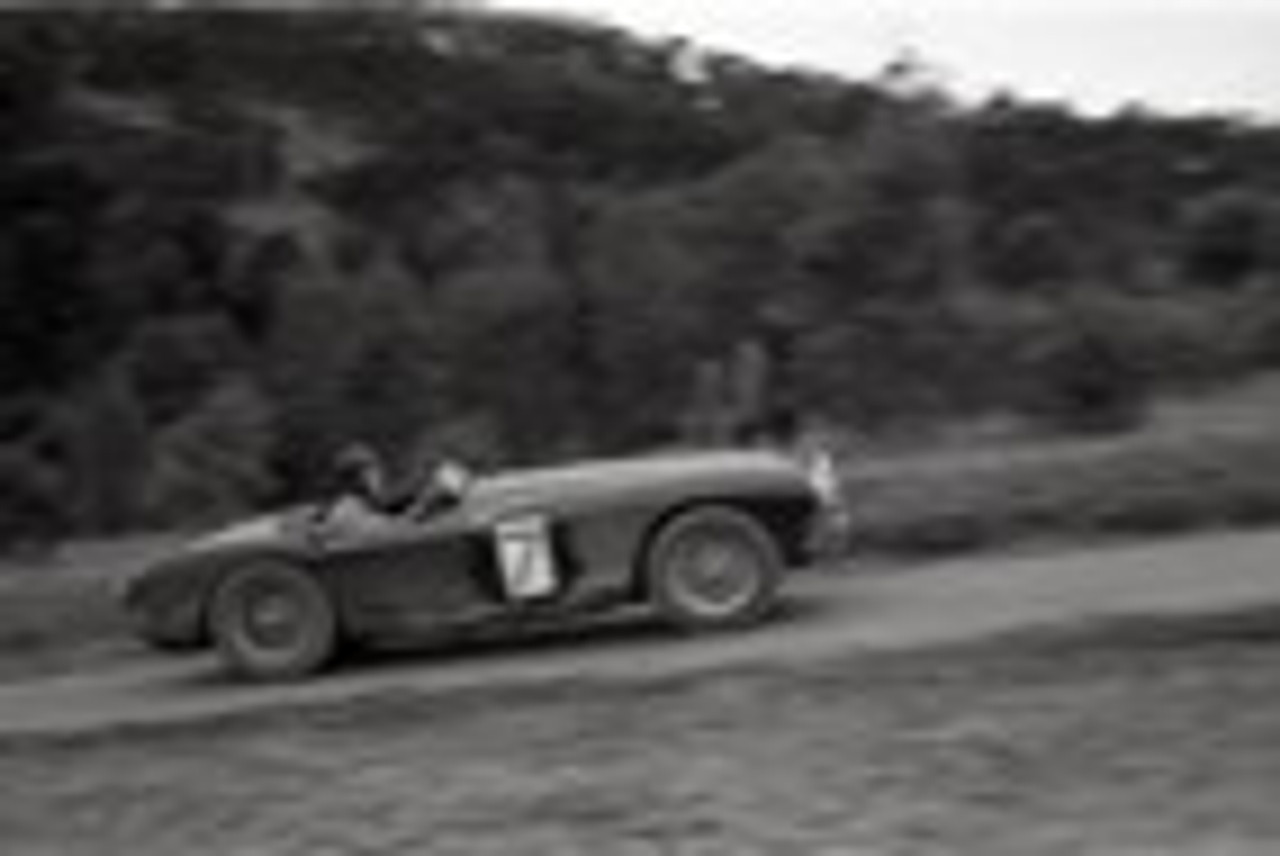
point(704, 538)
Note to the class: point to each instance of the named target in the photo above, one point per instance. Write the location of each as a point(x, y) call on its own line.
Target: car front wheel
point(272, 621)
point(713, 567)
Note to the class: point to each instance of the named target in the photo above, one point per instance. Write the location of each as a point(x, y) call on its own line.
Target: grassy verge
point(60, 612)
point(1145, 737)
point(1150, 482)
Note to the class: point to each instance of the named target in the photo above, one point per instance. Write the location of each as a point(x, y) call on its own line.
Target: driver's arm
point(430, 501)
point(442, 491)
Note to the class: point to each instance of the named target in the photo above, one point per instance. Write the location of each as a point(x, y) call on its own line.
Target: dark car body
point(586, 531)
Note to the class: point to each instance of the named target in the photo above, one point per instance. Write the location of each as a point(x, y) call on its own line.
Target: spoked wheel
point(272, 621)
point(713, 567)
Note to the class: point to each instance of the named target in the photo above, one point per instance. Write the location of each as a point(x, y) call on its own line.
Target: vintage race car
point(704, 538)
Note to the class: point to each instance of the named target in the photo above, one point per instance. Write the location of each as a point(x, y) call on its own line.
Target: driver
point(361, 476)
point(358, 474)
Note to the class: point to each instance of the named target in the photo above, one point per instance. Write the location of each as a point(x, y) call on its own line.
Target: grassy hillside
point(235, 242)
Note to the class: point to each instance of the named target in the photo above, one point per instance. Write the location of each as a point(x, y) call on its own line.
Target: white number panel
point(526, 558)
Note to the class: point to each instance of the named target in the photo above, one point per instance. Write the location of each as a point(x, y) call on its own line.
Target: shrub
point(32, 510)
point(212, 464)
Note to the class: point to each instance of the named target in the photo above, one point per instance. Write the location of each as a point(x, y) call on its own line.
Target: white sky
point(1176, 55)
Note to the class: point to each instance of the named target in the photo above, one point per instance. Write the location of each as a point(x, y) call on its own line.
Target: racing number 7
point(525, 558)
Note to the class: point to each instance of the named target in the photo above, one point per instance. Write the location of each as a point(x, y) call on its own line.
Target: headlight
point(834, 522)
point(824, 479)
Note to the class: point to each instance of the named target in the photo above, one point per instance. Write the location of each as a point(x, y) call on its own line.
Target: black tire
point(713, 567)
point(271, 621)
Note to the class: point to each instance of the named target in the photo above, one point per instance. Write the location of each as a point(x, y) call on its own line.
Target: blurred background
point(231, 243)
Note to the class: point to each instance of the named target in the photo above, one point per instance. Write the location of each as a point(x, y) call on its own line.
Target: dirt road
point(834, 611)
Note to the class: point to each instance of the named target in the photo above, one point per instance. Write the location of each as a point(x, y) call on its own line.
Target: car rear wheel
point(713, 567)
point(272, 621)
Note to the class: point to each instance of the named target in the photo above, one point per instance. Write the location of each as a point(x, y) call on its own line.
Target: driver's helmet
point(359, 469)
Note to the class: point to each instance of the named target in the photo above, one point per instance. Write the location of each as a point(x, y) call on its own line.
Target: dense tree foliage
point(232, 242)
